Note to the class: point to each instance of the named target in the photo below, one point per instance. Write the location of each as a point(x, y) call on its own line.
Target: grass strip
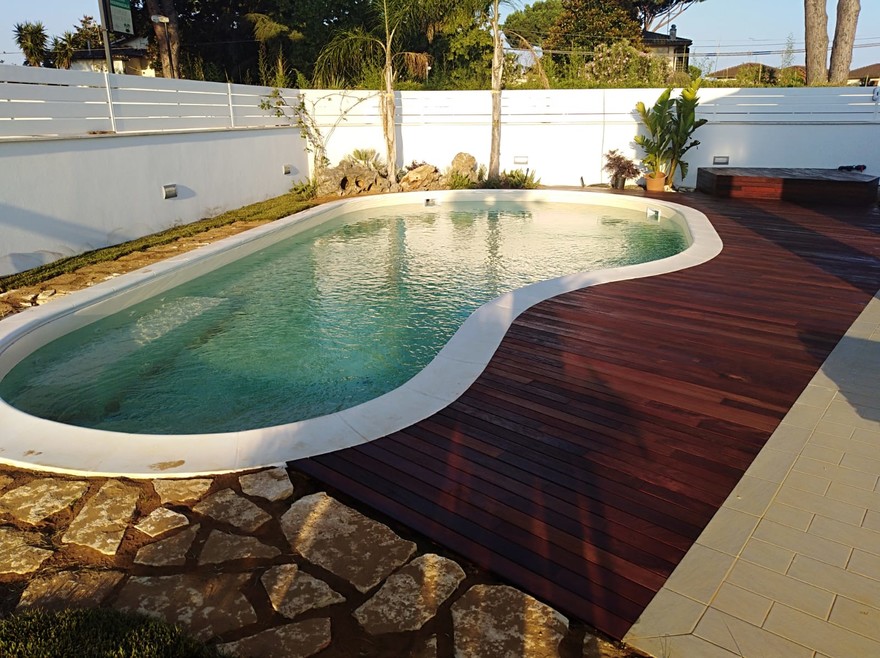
point(263, 211)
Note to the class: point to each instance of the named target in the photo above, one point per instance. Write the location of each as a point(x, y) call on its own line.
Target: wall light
point(721, 160)
point(286, 169)
point(169, 191)
point(520, 159)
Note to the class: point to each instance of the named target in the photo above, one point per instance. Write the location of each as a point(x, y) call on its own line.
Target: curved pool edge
point(35, 443)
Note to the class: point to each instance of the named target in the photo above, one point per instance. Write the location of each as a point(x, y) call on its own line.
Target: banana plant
point(682, 127)
point(657, 143)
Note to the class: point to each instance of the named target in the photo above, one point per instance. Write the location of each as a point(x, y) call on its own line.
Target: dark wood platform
point(613, 422)
point(796, 185)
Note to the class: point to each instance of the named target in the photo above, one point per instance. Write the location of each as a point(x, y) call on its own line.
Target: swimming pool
point(339, 419)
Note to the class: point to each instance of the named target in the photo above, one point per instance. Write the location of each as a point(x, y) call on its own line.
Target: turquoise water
point(319, 322)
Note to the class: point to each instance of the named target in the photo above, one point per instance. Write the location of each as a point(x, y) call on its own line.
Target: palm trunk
point(844, 38)
point(388, 110)
point(816, 33)
point(497, 73)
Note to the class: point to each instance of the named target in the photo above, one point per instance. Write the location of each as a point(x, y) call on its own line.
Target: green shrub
point(458, 181)
point(517, 179)
point(305, 190)
point(95, 633)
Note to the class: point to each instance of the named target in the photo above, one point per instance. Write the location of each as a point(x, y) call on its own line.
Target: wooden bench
point(814, 185)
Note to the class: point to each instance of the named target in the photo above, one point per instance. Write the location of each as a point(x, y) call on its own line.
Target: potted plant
point(621, 168)
point(670, 124)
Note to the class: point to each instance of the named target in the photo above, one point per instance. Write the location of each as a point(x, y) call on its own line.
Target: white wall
point(84, 189)
point(60, 197)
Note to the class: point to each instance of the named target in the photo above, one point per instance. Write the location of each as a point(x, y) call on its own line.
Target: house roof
point(732, 71)
point(869, 71)
point(658, 39)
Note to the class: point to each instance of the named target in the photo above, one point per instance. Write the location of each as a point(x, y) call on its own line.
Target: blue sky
point(715, 26)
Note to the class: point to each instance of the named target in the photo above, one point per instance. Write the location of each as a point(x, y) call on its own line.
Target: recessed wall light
point(169, 191)
point(721, 159)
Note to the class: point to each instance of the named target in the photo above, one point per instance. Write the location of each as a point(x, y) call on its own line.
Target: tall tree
point(380, 45)
point(63, 48)
point(32, 40)
point(816, 37)
point(497, 77)
point(584, 24)
point(656, 14)
point(844, 39)
point(816, 33)
point(533, 22)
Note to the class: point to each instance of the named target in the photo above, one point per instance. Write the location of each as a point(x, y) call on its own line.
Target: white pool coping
point(27, 441)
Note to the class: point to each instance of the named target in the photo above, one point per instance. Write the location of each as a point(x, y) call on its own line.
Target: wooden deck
point(613, 422)
point(797, 185)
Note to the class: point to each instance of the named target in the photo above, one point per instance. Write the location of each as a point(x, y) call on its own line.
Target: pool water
point(319, 322)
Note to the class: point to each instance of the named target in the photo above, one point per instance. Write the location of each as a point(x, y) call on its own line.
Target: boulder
point(350, 179)
point(464, 164)
point(423, 177)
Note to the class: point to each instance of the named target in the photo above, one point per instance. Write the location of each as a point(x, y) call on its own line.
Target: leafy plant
point(516, 179)
point(368, 158)
point(670, 124)
point(305, 190)
point(456, 180)
point(620, 167)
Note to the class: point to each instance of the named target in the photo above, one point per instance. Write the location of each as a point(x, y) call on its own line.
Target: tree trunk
point(167, 34)
point(816, 37)
point(844, 38)
point(388, 110)
point(497, 73)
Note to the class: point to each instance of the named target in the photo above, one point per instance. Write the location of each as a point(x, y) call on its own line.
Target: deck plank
point(612, 422)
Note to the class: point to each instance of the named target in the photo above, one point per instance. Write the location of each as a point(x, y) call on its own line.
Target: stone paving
point(264, 566)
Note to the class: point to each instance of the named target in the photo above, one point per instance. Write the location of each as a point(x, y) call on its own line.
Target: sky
point(724, 32)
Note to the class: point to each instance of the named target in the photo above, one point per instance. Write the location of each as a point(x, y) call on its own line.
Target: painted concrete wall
point(60, 197)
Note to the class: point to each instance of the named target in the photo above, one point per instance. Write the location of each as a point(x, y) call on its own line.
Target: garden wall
point(84, 156)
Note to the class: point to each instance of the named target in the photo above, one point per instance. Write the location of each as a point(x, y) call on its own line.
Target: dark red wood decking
point(613, 422)
point(797, 185)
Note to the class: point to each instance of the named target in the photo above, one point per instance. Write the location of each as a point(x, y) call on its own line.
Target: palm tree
point(497, 76)
point(352, 52)
point(63, 48)
point(31, 39)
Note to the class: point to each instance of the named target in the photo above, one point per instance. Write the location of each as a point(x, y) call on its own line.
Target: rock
point(40, 499)
point(101, 524)
point(69, 589)
point(273, 485)
point(293, 592)
point(228, 507)
point(502, 622)
point(410, 597)
point(465, 165)
point(168, 552)
point(5, 481)
point(180, 491)
point(223, 547)
point(161, 520)
point(349, 179)
point(45, 296)
point(427, 649)
point(206, 606)
point(343, 541)
point(423, 177)
point(17, 555)
point(297, 640)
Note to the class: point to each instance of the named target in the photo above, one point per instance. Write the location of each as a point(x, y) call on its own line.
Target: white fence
point(83, 156)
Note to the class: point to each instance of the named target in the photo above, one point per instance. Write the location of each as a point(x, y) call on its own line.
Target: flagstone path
point(262, 565)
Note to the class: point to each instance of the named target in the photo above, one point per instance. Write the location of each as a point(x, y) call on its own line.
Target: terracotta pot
point(655, 183)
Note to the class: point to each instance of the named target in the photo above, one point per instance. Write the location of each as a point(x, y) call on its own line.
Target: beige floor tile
point(806, 482)
point(801, 415)
point(790, 516)
point(819, 547)
point(682, 646)
point(872, 521)
point(820, 635)
point(816, 396)
point(867, 540)
point(855, 616)
point(844, 412)
point(816, 504)
point(830, 455)
point(742, 604)
point(787, 438)
point(866, 564)
point(751, 495)
point(861, 463)
point(836, 429)
point(744, 639)
point(831, 441)
point(870, 436)
point(837, 580)
point(668, 613)
point(790, 591)
point(839, 474)
point(869, 500)
point(700, 573)
point(728, 531)
point(771, 465)
point(766, 555)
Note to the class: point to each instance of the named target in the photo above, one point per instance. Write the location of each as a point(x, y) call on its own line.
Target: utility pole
point(105, 33)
